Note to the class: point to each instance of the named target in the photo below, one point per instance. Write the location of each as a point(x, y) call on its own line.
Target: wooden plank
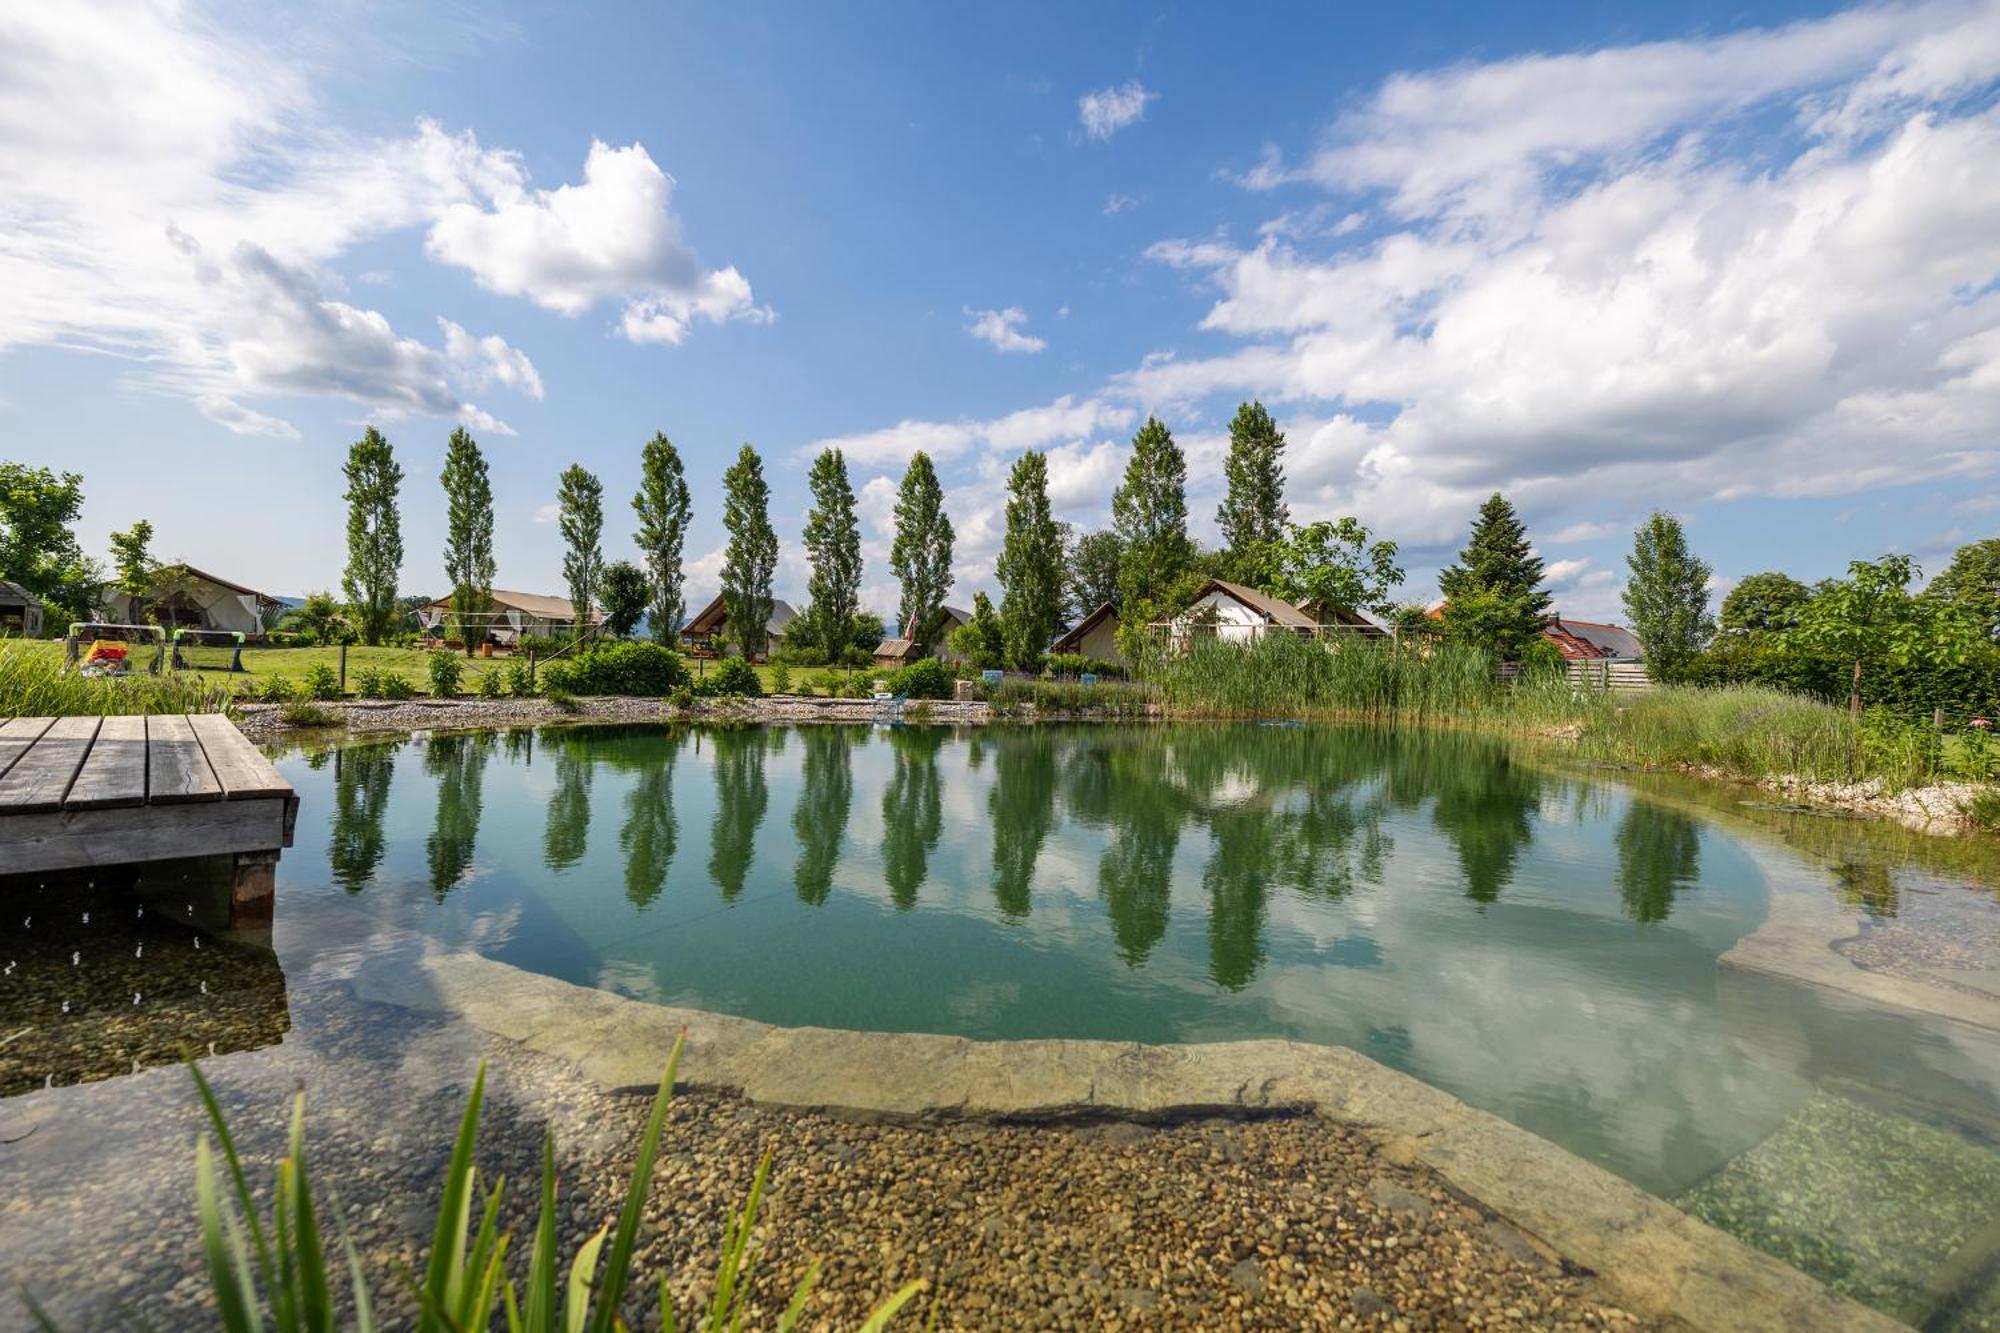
point(176, 769)
point(245, 774)
point(17, 734)
point(114, 773)
point(74, 839)
point(40, 778)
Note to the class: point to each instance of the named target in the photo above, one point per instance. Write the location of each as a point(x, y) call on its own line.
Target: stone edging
point(1649, 1255)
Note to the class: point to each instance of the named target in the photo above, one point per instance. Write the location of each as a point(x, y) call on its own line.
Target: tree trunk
point(1854, 693)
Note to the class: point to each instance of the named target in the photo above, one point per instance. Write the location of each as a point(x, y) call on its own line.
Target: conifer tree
point(751, 557)
point(662, 506)
point(833, 545)
point(1253, 514)
point(1030, 567)
point(374, 535)
point(1496, 585)
point(921, 554)
point(468, 541)
point(1666, 597)
point(1149, 511)
point(580, 518)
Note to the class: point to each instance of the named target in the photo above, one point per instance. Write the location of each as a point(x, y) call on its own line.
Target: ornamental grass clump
point(34, 682)
point(285, 1272)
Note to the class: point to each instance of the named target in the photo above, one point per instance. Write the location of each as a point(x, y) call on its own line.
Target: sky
point(1740, 262)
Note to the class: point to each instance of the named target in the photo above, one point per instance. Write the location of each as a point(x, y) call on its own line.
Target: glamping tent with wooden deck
point(1095, 636)
point(183, 597)
point(508, 616)
point(21, 612)
point(901, 651)
point(706, 633)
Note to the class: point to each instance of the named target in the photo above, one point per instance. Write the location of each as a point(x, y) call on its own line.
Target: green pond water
point(1542, 943)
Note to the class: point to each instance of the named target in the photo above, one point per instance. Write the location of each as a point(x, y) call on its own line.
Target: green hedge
point(1911, 690)
point(637, 668)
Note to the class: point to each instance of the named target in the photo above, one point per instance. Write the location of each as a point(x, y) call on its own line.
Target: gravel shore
point(1211, 1224)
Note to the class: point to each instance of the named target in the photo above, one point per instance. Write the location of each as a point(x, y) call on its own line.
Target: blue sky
point(1739, 262)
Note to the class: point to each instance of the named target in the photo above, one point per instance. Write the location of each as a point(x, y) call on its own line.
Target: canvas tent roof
point(710, 617)
point(527, 603)
point(13, 594)
point(1071, 638)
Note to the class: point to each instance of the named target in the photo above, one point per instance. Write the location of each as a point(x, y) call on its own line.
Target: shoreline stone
point(1653, 1258)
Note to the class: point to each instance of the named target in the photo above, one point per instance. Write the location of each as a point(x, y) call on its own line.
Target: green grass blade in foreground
point(576, 1299)
point(541, 1312)
point(237, 1177)
point(444, 1278)
point(228, 1266)
point(315, 1302)
point(887, 1310)
point(616, 1268)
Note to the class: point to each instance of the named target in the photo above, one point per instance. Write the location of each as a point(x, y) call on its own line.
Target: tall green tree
point(1253, 513)
point(132, 563)
point(1971, 582)
point(981, 641)
point(1030, 567)
point(921, 553)
point(1333, 566)
point(580, 519)
point(1872, 616)
point(468, 536)
point(374, 535)
point(1666, 597)
point(38, 546)
point(1149, 510)
point(622, 591)
point(1766, 603)
point(1092, 570)
point(833, 545)
point(1499, 572)
point(752, 554)
point(663, 506)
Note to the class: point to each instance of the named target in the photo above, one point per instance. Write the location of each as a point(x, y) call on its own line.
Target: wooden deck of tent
point(89, 793)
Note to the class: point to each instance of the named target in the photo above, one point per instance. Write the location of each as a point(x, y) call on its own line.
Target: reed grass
point(36, 683)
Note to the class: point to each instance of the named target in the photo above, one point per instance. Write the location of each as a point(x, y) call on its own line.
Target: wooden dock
point(89, 792)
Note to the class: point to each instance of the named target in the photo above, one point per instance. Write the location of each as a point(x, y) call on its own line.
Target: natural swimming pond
point(1544, 944)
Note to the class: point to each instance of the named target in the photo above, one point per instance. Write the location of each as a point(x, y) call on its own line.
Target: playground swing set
point(122, 650)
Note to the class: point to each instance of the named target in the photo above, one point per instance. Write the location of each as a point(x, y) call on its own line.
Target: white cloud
point(1108, 110)
point(1064, 420)
point(548, 513)
point(1572, 305)
point(1581, 532)
point(480, 419)
point(613, 237)
point(1560, 573)
point(1114, 204)
point(224, 411)
point(160, 177)
point(1002, 328)
point(489, 360)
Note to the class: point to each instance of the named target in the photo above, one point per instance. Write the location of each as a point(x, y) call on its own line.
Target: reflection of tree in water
point(361, 777)
point(651, 834)
point(1236, 878)
point(1485, 805)
point(1659, 854)
point(458, 763)
point(1135, 875)
point(519, 744)
point(1868, 885)
point(568, 830)
point(740, 798)
point(1022, 809)
point(912, 812)
point(819, 820)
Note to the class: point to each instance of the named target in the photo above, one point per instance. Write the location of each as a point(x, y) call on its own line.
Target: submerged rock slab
point(1651, 1255)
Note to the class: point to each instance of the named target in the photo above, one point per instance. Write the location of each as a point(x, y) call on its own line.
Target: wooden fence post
point(343, 668)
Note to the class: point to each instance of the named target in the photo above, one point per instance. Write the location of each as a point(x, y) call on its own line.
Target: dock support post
point(253, 888)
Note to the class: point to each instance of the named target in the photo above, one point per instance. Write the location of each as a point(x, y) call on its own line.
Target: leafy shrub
point(277, 690)
point(307, 713)
point(633, 668)
point(927, 679)
point(803, 655)
point(733, 675)
point(491, 686)
point(781, 678)
point(322, 682)
point(682, 698)
point(562, 699)
point(446, 669)
point(1078, 664)
point(541, 645)
point(375, 683)
point(831, 682)
point(520, 681)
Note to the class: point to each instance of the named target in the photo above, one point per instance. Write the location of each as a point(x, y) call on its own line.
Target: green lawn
point(262, 665)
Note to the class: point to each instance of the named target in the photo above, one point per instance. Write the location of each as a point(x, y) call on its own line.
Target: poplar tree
point(468, 541)
point(1496, 585)
point(1253, 514)
point(1149, 511)
point(1030, 567)
point(833, 544)
point(921, 553)
point(580, 519)
point(374, 535)
point(1666, 597)
point(752, 554)
point(662, 505)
